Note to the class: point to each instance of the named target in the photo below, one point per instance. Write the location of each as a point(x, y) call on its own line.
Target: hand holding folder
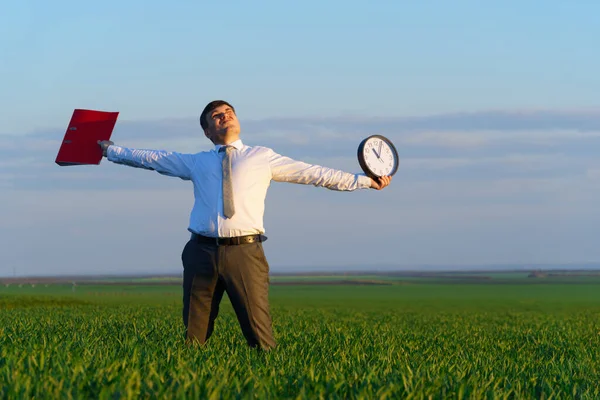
point(85, 130)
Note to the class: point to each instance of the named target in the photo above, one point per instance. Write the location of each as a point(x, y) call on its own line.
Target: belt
point(228, 241)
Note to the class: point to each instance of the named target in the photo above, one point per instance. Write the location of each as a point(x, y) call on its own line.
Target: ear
point(207, 134)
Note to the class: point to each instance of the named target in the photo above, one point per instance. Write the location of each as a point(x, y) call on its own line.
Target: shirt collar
point(237, 144)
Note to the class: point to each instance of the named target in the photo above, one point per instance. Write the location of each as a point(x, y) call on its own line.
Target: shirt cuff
point(364, 182)
point(111, 152)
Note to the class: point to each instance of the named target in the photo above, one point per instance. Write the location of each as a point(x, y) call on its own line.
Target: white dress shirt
point(252, 169)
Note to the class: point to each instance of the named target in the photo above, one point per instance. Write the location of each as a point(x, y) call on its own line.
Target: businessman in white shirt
point(225, 253)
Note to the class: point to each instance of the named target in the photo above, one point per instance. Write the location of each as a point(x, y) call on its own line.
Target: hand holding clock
point(380, 182)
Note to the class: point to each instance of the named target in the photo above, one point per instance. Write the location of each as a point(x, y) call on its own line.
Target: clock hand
point(375, 152)
point(379, 149)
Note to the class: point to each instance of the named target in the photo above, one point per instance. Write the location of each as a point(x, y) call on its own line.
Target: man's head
point(219, 122)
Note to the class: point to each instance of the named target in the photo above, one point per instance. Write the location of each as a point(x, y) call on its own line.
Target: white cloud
point(6, 180)
point(593, 173)
point(445, 139)
point(498, 191)
point(435, 163)
point(22, 162)
point(480, 138)
point(24, 144)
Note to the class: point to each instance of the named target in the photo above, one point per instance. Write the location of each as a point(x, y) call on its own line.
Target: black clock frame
point(361, 159)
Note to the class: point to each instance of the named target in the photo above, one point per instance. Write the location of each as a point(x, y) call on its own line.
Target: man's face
point(222, 124)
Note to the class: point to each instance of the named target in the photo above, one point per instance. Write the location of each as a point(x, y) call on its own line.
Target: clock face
point(379, 156)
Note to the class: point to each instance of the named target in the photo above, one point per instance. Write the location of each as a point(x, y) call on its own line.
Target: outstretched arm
point(285, 169)
point(165, 163)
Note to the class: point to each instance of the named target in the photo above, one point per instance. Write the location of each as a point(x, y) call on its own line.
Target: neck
point(224, 141)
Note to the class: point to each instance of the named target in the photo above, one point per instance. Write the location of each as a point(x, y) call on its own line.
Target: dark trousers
point(240, 270)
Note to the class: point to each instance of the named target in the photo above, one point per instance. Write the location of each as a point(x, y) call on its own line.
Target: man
point(225, 253)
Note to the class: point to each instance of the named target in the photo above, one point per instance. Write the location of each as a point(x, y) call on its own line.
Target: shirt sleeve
point(164, 162)
point(285, 169)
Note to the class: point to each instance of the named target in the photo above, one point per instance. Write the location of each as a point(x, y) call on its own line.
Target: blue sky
point(494, 108)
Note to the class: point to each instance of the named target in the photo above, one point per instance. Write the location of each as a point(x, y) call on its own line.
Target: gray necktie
point(228, 207)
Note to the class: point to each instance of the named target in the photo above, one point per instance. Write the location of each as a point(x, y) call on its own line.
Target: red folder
point(80, 144)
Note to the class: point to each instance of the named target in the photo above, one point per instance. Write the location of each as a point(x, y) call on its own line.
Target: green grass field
point(419, 340)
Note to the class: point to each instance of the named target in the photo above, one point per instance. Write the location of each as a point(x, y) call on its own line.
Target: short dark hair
point(209, 107)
